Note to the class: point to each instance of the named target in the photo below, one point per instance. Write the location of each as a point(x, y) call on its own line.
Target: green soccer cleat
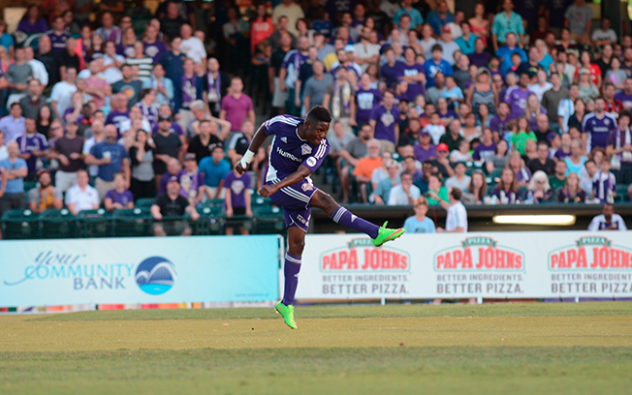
point(288, 314)
point(386, 234)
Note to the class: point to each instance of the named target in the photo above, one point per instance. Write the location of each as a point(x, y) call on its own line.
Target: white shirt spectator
point(39, 71)
point(435, 131)
point(293, 12)
point(448, 51)
point(600, 35)
point(565, 109)
point(366, 51)
point(4, 154)
point(599, 223)
point(398, 197)
point(454, 182)
point(62, 94)
point(112, 74)
point(194, 49)
point(83, 200)
point(457, 217)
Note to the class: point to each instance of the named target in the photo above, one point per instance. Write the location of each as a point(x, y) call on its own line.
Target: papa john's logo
point(155, 275)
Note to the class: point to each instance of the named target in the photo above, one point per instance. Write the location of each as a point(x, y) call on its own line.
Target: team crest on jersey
point(284, 139)
point(606, 122)
point(307, 187)
point(306, 149)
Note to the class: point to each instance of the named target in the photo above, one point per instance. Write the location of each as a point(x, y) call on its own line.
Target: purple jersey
point(30, 143)
point(289, 151)
point(604, 186)
point(392, 73)
point(484, 152)
point(414, 88)
point(123, 198)
point(385, 121)
point(618, 139)
point(155, 50)
point(58, 41)
point(366, 101)
point(560, 154)
point(190, 182)
point(238, 187)
point(293, 61)
point(499, 126)
point(116, 118)
point(598, 129)
point(517, 100)
point(149, 112)
point(625, 99)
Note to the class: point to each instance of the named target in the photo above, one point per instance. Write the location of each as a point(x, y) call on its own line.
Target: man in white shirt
point(62, 93)
point(404, 194)
point(82, 196)
point(365, 52)
point(456, 219)
point(39, 70)
point(460, 179)
point(192, 46)
point(608, 220)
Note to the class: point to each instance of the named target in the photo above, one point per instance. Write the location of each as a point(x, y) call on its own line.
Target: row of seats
point(136, 222)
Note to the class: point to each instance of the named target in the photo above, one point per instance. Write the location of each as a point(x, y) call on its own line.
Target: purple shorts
point(296, 202)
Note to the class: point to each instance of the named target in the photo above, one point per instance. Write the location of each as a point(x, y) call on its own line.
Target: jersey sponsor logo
point(311, 161)
point(306, 149)
point(288, 155)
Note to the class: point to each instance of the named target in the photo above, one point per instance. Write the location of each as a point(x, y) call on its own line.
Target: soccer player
point(299, 147)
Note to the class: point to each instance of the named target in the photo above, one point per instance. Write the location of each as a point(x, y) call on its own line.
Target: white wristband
point(246, 159)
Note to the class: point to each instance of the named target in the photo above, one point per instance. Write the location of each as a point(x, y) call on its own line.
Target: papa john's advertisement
point(512, 265)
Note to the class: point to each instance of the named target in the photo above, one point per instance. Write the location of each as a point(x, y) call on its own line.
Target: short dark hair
point(437, 47)
point(456, 193)
point(318, 114)
point(625, 113)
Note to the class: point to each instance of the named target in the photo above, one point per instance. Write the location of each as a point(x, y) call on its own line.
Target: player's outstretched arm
point(299, 175)
point(257, 141)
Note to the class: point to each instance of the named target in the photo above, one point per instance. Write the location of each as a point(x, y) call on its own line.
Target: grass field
point(513, 349)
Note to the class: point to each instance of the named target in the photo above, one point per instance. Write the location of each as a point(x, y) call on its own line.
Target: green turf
point(428, 370)
point(516, 349)
point(359, 311)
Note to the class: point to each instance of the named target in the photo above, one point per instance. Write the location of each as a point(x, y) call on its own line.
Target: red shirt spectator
point(261, 28)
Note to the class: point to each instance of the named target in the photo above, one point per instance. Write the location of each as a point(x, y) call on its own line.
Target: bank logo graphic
point(155, 275)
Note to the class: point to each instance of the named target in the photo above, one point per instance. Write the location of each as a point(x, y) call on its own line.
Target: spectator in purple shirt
point(33, 146)
point(625, 96)
point(517, 99)
point(173, 169)
point(425, 150)
point(392, 69)
point(485, 150)
point(58, 35)
point(237, 106)
point(366, 99)
point(479, 58)
point(32, 22)
point(154, 48)
point(191, 180)
point(238, 198)
point(119, 197)
point(384, 121)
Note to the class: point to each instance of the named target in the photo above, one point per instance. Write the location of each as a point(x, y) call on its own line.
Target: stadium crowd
point(103, 105)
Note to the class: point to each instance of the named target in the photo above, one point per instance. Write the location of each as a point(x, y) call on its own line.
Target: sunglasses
point(442, 152)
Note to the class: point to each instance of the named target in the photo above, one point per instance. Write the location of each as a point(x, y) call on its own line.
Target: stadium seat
point(94, 223)
point(132, 222)
point(268, 220)
point(143, 203)
point(211, 221)
point(20, 224)
point(622, 193)
point(58, 224)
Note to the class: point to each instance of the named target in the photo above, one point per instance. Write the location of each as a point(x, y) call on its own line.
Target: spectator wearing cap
point(424, 149)
point(449, 45)
point(168, 146)
point(13, 124)
point(82, 196)
point(33, 148)
point(68, 150)
point(505, 22)
point(191, 181)
point(435, 65)
point(215, 169)
point(111, 158)
point(237, 106)
point(441, 162)
point(119, 197)
point(440, 17)
point(170, 204)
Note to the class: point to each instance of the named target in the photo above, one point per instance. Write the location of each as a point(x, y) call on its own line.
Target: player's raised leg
point(291, 268)
point(342, 216)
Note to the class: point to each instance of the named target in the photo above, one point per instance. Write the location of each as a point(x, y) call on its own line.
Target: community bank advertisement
point(508, 265)
point(139, 270)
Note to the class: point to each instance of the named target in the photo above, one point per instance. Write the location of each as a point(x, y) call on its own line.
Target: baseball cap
point(189, 156)
point(174, 179)
point(584, 70)
point(349, 48)
point(164, 118)
point(424, 132)
point(446, 29)
point(442, 147)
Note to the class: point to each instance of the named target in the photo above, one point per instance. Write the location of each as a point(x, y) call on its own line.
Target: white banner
point(491, 265)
